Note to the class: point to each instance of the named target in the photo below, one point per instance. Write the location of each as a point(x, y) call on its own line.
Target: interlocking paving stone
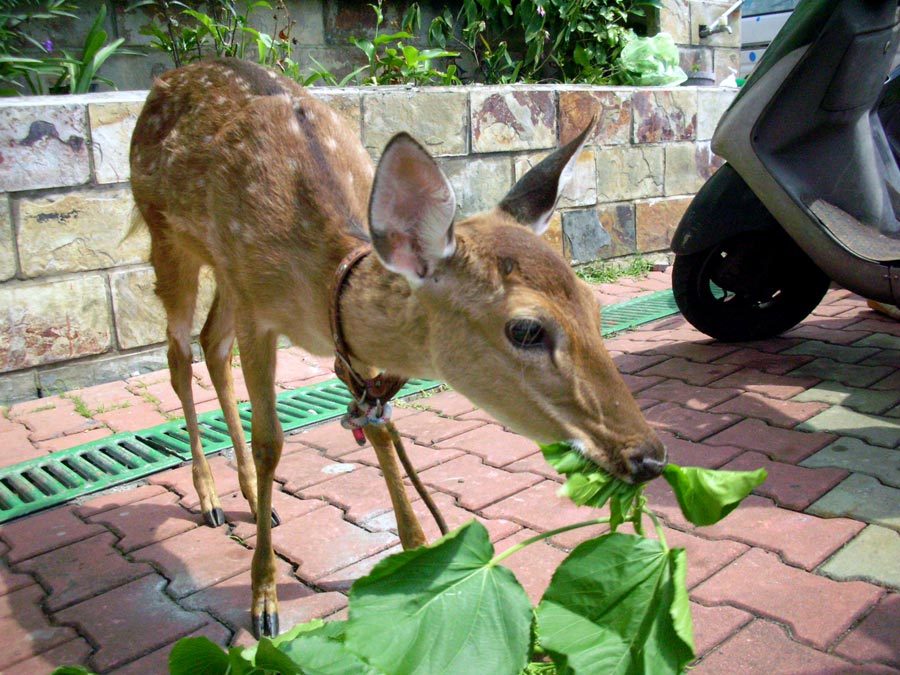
point(498, 528)
point(44, 532)
point(863, 498)
point(762, 584)
point(131, 620)
point(229, 600)
point(72, 652)
point(756, 359)
point(362, 494)
point(882, 340)
point(288, 507)
point(331, 438)
point(56, 417)
point(874, 429)
point(533, 566)
point(689, 453)
point(712, 625)
point(181, 480)
point(638, 383)
point(116, 499)
point(343, 579)
point(322, 542)
point(784, 445)
point(694, 425)
point(536, 464)
point(697, 398)
point(767, 384)
point(428, 428)
point(540, 509)
point(772, 410)
point(859, 399)
point(799, 538)
point(158, 661)
point(423, 457)
point(849, 374)
point(493, 444)
point(82, 570)
point(789, 485)
point(873, 556)
point(64, 442)
point(889, 383)
point(884, 357)
point(838, 336)
point(875, 638)
point(841, 353)
point(763, 647)
point(860, 457)
point(701, 352)
point(148, 521)
point(307, 467)
point(705, 556)
point(11, 581)
point(26, 630)
point(448, 403)
point(634, 363)
point(474, 484)
point(699, 374)
point(135, 417)
point(196, 559)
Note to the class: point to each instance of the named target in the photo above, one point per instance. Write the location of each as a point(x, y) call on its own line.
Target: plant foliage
point(618, 604)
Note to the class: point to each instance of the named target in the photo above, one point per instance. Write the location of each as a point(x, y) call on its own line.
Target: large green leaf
point(706, 495)
point(587, 484)
point(317, 654)
point(442, 608)
point(614, 607)
point(197, 656)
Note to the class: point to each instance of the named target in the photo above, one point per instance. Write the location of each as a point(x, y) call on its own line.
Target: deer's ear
point(411, 210)
point(533, 198)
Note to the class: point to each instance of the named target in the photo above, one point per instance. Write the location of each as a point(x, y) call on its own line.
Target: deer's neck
point(384, 324)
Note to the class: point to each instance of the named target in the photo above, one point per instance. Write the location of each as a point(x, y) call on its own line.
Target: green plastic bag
point(651, 61)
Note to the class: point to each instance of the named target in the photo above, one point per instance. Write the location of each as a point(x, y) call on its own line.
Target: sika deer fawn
point(237, 168)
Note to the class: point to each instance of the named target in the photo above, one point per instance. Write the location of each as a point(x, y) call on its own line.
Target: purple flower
point(541, 11)
point(47, 45)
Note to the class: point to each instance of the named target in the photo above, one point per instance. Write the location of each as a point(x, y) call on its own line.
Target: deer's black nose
point(648, 461)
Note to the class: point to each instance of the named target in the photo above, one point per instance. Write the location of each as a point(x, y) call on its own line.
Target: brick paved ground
point(801, 579)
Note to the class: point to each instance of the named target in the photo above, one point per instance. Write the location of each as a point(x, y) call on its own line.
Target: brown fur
point(243, 171)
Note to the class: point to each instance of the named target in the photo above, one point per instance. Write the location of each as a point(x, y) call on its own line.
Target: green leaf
point(588, 484)
point(197, 656)
point(317, 654)
point(269, 657)
point(612, 608)
point(442, 608)
point(706, 495)
point(72, 670)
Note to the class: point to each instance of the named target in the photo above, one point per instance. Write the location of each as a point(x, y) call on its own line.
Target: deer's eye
point(526, 333)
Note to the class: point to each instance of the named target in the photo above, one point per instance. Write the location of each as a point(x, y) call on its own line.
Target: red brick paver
point(876, 638)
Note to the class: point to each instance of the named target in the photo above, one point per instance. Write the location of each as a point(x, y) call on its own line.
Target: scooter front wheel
point(753, 286)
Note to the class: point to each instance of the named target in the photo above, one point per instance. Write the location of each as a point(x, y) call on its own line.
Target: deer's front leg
point(258, 364)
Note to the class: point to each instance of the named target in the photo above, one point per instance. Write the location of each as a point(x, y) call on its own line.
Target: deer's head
point(510, 326)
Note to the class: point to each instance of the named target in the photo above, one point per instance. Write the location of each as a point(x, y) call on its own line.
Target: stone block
point(310, 18)
point(726, 62)
point(77, 231)
point(554, 234)
point(581, 190)
point(873, 556)
point(53, 321)
point(688, 167)
point(7, 245)
point(675, 19)
point(665, 115)
point(695, 60)
point(606, 231)
point(43, 145)
point(612, 109)
point(435, 118)
point(705, 12)
point(99, 371)
point(16, 387)
point(112, 124)
point(139, 315)
point(345, 101)
point(861, 497)
point(135, 73)
point(656, 220)
point(479, 183)
point(625, 172)
point(508, 118)
point(712, 102)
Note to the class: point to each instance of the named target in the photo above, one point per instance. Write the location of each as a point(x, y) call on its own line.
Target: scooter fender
point(724, 207)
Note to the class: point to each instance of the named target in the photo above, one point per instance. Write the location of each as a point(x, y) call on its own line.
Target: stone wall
point(77, 301)
point(323, 27)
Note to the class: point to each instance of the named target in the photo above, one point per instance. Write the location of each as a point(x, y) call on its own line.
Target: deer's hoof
point(214, 518)
point(276, 519)
point(265, 625)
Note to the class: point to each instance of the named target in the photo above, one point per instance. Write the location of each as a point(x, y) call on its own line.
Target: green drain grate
point(40, 483)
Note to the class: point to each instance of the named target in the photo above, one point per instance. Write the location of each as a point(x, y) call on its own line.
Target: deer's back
point(250, 173)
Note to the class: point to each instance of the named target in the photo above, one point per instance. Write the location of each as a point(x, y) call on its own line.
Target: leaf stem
point(544, 535)
point(658, 526)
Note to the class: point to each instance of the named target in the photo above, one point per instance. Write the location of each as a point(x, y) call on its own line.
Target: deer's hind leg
point(176, 285)
point(217, 340)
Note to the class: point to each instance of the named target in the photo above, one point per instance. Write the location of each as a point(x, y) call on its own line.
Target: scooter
point(810, 191)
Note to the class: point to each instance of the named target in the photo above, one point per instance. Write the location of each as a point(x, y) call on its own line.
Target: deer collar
point(370, 395)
